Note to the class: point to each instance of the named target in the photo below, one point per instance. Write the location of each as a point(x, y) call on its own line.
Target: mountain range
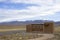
point(28, 22)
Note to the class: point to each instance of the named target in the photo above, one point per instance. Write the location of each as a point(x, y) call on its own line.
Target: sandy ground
point(45, 37)
point(4, 30)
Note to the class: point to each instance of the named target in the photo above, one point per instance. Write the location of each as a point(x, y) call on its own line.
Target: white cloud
point(32, 1)
point(46, 7)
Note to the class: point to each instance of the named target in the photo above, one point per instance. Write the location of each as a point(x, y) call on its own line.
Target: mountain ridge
point(24, 22)
point(29, 22)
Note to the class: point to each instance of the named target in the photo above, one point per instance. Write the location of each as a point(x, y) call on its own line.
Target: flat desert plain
point(19, 33)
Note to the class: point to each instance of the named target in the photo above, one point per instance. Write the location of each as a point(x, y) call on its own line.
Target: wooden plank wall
point(47, 27)
point(34, 27)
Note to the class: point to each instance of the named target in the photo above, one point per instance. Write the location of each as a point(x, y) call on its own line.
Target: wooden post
point(28, 28)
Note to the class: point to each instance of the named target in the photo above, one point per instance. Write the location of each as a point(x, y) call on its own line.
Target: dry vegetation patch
point(20, 36)
point(56, 34)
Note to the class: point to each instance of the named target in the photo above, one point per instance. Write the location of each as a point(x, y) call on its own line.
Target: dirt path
point(45, 37)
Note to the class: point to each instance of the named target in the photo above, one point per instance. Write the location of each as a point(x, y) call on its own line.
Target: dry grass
point(12, 28)
point(56, 34)
point(57, 29)
point(17, 36)
point(20, 36)
point(23, 35)
point(5, 30)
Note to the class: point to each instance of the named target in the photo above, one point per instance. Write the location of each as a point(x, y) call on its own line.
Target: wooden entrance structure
point(47, 27)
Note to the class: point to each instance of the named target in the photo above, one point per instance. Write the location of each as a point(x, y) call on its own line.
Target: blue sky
point(21, 10)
